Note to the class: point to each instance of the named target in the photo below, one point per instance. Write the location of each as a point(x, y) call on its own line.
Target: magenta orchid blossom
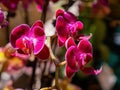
point(66, 26)
point(28, 40)
point(10, 4)
point(40, 4)
point(3, 22)
point(13, 4)
point(26, 3)
point(77, 56)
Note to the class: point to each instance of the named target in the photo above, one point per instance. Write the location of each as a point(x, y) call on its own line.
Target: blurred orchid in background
point(40, 4)
point(3, 21)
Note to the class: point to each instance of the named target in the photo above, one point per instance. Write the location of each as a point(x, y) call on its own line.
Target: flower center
point(71, 29)
point(24, 44)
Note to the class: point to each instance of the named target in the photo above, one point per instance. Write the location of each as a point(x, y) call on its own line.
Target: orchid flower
point(26, 3)
point(77, 56)
point(100, 7)
point(13, 63)
point(10, 4)
point(40, 4)
point(28, 40)
point(13, 4)
point(66, 26)
point(3, 22)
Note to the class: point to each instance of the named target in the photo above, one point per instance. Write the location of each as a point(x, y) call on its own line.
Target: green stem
point(56, 78)
point(56, 62)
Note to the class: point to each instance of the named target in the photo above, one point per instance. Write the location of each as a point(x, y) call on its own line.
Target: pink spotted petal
point(90, 70)
point(38, 38)
point(59, 12)
point(44, 53)
point(37, 23)
point(61, 29)
point(69, 42)
point(79, 25)
point(69, 72)
point(17, 32)
point(85, 46)
point(70, 57)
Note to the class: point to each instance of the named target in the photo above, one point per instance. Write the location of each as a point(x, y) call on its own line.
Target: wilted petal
point(38, 38)
point(90, 70)
point(26, 3)
point(85, 46)
point(17, 32)
point(69, 72)
point(70, 57)
point(37, 23)
point(44, 53)
point(69, 42)
point(61, 29)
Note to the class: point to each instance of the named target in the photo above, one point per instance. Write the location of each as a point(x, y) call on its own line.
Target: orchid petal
point(90, 70)
point(69, 42)
point(70, 57)
point(38, 38)
point(60, 42)
point(17, 32)
point(20, 55)
point(61, 30)
point(85, 46)
point(79, 25)
point(44, 53)
point(59, 12)
point(69, 17)
point(88, 57)
point(81, 60)
point(37, 23)
point(69, 72)
point(40, 4)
